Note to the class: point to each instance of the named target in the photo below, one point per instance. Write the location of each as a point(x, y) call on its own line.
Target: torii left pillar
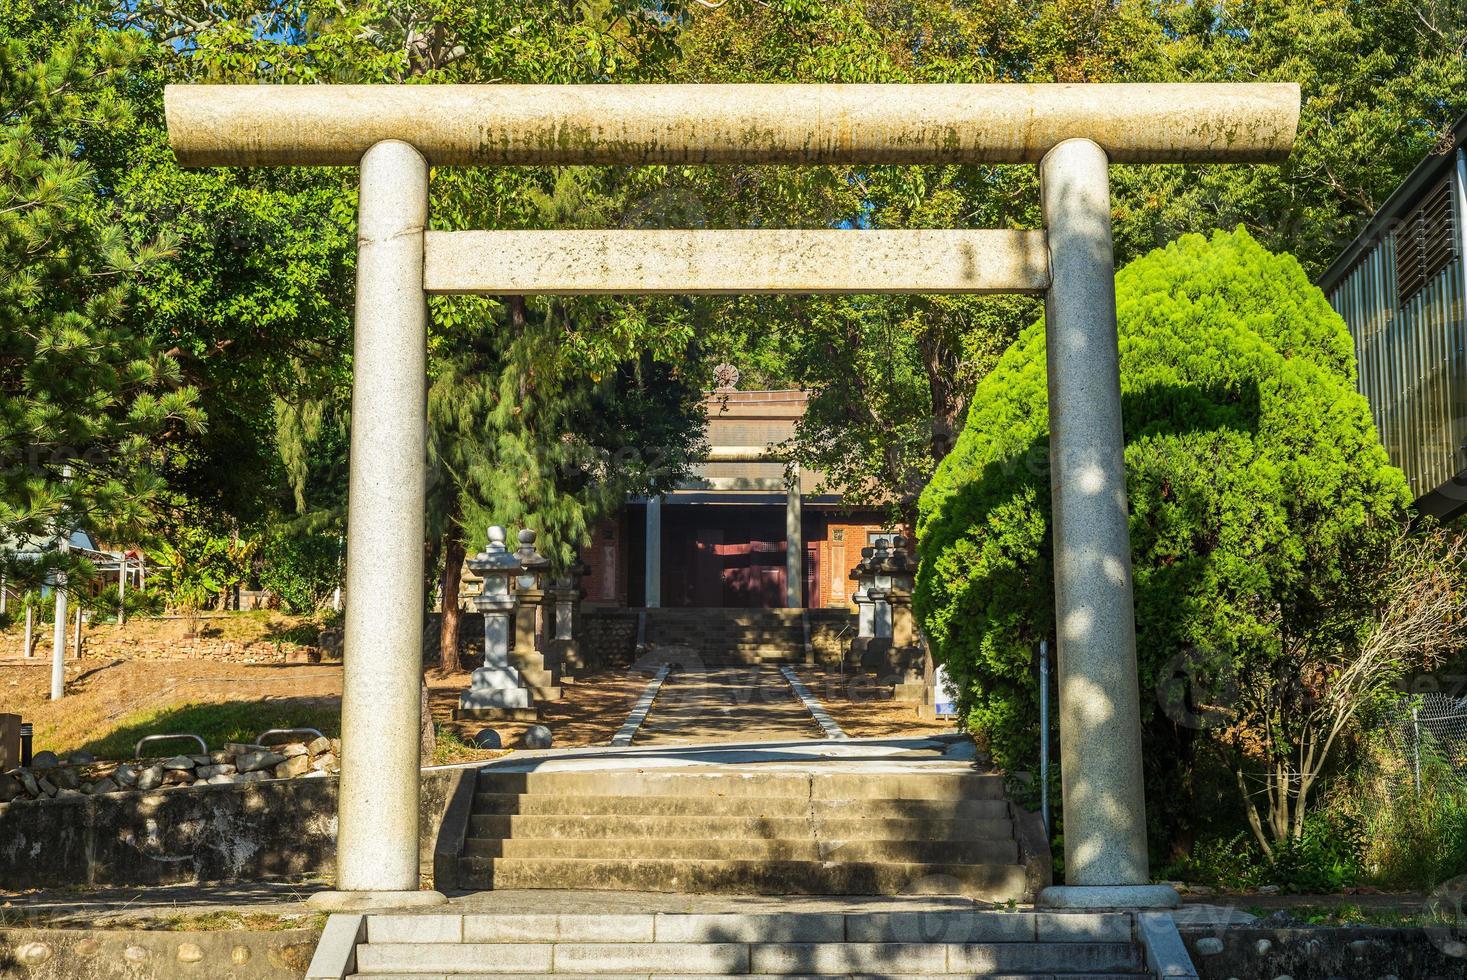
point(377, 827)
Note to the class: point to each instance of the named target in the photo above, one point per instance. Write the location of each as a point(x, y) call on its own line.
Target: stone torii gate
point(1072, 132)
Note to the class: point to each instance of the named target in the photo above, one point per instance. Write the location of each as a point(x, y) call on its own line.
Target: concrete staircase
point(754, 830)
point(718, 637)
point(808, 944)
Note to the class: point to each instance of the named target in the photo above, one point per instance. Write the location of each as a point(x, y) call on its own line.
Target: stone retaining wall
point(1237, 952)
point(274, 828)
point(79, 775)
point(826, 636)
point(108, 640)
point(128, 954)
point(609, 635)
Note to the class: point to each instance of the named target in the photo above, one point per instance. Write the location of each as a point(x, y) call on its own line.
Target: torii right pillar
point(1099, 695)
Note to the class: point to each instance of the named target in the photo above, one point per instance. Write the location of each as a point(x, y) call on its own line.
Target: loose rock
point(82, 757)
point(293, 766)
point(251, 761)
point(178, 777)
point(324, 763)
point(488, 738)
point(10, 787)
point(538, 737)
point(179, 762)
point(223, 779)
point(293, 749)
point(44, 760)
point(150, 778)
point(106, 786)
point(319, 745)
point(126, 775)
point(66, 778)
point(1209, 946)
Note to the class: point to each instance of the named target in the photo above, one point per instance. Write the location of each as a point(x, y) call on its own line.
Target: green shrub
point(1255, 479)
point(1324, 858)
point(303, 569)
point(1233, 863)
point(140, 602)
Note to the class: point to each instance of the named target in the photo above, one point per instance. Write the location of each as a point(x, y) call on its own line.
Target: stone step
point(786, 849)
point(745, 959)
point(987, 882)
point(909, 784)
point(928, 925)
point(602, 826)
point(479, 975)
point(725, 806)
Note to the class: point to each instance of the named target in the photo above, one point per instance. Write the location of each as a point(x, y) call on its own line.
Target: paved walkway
point(721, 704)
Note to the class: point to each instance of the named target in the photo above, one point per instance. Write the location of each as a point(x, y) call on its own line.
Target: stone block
point(179, 762)
point(293, 749)
point(262, 759)
point(292, 767)
point(1078, 927)
point(848, 958)
point(750, 928)
point(319, 745)
point(415, 929)
point(681, 958)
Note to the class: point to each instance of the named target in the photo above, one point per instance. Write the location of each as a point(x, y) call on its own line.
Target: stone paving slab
point(740, 704)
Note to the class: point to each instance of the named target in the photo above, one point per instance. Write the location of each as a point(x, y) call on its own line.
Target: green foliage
point(1257, 485)
point(1324, 858)
point(1411, 839)
point(140, 602)
point(85, 401)
point(303, 569)
point(194, 566)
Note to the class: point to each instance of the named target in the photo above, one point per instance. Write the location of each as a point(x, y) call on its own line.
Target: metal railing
point(137, 751)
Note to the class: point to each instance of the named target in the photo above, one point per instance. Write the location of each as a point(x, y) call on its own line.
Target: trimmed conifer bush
point(1256, 483)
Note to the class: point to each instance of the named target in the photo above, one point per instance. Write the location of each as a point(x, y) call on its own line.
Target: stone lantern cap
point(497, 566)
point(532, 565)
point(495, 558)
point(863, 567)
point(897, 560)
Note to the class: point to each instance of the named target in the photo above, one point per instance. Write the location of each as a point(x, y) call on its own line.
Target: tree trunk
point(427, 736)
point(453, 560)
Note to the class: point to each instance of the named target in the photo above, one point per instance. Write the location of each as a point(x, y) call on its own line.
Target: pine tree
point(85, 404)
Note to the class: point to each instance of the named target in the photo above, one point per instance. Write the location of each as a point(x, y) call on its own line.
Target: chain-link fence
point(1427, 734)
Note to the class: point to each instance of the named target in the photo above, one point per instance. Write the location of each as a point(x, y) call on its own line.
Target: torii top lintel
point(333, 125)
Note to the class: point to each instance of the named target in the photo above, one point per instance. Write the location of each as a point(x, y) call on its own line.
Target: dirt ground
point(111, 703)
point(116, 698)
point(865, 710)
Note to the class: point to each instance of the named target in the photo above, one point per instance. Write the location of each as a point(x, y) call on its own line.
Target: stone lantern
point(864, 578)
point(533, 568)
point(905, 659)
point(880, 642)
point(563, 649)
point(497, 690)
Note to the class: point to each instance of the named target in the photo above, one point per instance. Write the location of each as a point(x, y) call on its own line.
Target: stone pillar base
point(496, 714)
point(334, 901)
point(1109, 897)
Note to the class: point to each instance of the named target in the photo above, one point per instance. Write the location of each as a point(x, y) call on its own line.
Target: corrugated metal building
point(1402, 288)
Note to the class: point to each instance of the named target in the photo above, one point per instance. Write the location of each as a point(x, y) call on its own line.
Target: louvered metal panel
point(1405, 301)
point(1425, 242)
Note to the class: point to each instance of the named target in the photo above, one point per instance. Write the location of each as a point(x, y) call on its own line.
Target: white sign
point(945, 700)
